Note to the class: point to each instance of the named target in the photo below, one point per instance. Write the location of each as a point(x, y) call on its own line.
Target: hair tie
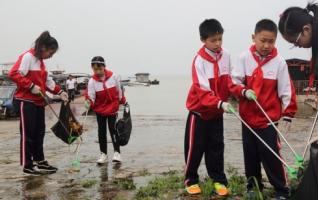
point(98, 62)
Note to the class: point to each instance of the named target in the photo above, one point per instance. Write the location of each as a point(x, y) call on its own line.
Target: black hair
point(210, 27)
point(265, 25)
point(293, 20)
point(98, 60)
point(45, 40)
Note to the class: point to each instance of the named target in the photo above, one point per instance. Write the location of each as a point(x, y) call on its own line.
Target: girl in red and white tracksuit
point(104, 95)
point(204, 129)
point(268, 77)
point(31, 77)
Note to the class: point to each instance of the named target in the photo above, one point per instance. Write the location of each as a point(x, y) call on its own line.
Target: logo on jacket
point(224, 70)
point(270, 74)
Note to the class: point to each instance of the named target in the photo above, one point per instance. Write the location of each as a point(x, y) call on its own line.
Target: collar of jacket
point(213, 54)
point(107, 73)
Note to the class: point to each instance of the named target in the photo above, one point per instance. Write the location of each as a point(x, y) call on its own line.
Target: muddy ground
point(156, 146)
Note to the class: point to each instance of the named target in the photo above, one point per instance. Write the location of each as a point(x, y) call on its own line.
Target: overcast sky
point(160, 37)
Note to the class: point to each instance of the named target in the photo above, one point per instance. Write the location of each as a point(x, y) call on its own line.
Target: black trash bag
point(308, 186)
point(70, 130)
point(123, 127)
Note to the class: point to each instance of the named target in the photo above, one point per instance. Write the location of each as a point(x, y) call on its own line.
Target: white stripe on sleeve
point(25, 64)
point(201, 74)
point(284, 85)
point(91, 90)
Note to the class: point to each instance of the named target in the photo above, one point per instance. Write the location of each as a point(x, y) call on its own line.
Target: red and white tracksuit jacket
point(105, 96)
point(210, 76)
point(29, 71)
point(270, 80)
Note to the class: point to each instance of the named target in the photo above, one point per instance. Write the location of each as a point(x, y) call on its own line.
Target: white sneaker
point(102, 159)
point(116, 157)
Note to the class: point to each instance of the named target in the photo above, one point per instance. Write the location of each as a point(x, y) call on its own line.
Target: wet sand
point(156, 145)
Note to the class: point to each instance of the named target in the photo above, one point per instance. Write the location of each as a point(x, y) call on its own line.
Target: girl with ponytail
point(31, 77)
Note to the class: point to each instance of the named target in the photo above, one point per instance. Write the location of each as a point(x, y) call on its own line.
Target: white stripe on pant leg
point(191, 137)
point(23, 133)
point(190, 142)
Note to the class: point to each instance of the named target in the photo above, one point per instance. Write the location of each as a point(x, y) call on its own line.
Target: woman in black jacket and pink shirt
point(32, 81)
point(104, 94)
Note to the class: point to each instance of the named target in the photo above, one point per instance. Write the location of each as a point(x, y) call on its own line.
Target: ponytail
point(44, 40)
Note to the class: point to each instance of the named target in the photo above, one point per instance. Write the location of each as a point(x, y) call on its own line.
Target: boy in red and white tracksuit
point(263, 72)
point(104, 95)
point(31, 77)
point(206, 102)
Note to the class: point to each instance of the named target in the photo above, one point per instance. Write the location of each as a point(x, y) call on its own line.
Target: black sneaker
point(44, 166)
point(32, 171)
